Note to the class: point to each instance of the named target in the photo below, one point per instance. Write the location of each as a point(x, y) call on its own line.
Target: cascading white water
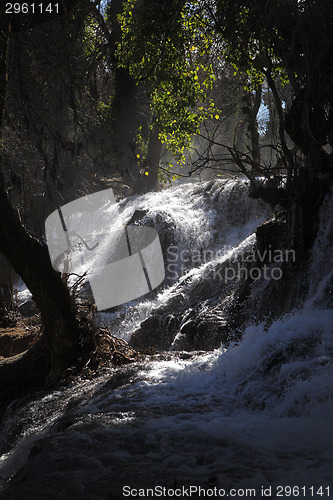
point(258, 414)
point(202, 224)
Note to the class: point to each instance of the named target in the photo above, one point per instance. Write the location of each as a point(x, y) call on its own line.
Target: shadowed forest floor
point(17, 339)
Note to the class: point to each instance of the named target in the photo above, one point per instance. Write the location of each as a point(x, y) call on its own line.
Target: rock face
point(272, 234)
point(28, 308)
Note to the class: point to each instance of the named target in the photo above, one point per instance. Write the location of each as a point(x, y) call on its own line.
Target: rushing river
point(251, 419)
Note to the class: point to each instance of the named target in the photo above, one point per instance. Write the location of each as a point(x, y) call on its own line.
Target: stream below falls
point(250, 418)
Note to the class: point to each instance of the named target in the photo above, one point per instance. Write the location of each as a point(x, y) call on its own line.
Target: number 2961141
point(31, 8)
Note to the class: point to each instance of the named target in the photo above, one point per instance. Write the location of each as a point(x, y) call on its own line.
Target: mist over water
point(258, 413)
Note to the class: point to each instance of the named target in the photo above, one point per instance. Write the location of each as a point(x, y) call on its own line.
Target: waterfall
point(198, 225)
point(321, 271)
point(254, 418)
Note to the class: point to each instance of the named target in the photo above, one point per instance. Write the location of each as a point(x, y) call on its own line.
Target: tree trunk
point(124, 105)
point(125, 125)
point(30, 260)
point(153, 158)
point(307, 126)
point(4, 34)
point(7, 277)
point(310, 183)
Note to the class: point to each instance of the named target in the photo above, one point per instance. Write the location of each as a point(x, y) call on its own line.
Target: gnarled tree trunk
point(29, 258)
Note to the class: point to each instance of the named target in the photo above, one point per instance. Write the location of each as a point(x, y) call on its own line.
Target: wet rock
point(137, 217)
point(157, 331)
point(28, 308)
point(199, 335)
point(271, 235)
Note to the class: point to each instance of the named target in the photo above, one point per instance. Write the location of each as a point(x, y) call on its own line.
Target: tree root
point(109, 349)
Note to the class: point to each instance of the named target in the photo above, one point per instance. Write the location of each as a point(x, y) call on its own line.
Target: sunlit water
point(258, 414)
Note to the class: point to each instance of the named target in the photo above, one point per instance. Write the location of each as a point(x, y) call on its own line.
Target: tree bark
point(124, 105)
point(7, 277)
point(4, 34)
point(153, 158)
point(304, 124)
point(30, 259)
